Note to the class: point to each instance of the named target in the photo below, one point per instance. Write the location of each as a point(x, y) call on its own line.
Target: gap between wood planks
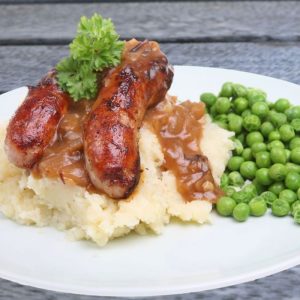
point(219, 39)
point(12, 2)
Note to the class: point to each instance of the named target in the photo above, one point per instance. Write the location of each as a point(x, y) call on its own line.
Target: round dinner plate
point(185, 258)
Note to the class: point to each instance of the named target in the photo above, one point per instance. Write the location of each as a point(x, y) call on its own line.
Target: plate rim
point(170, 289)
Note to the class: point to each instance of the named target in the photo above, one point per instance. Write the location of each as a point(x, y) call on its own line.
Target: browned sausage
point(33, 126)
point(111, 131)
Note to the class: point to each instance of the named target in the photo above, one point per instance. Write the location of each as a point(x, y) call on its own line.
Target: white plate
point(185, 258)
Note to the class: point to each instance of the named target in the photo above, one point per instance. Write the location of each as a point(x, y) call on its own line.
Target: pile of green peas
point(264, 171)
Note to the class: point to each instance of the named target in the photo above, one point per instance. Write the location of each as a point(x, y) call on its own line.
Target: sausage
point(33, 126)
point(111, 130)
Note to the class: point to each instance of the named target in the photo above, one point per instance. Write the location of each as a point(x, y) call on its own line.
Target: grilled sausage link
point(111, 130)
point(33, 126)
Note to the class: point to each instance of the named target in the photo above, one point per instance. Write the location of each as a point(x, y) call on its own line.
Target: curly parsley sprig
point(95, 47)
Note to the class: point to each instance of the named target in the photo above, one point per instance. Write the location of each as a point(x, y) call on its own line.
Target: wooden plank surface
point(25, 65)
point(181, 21)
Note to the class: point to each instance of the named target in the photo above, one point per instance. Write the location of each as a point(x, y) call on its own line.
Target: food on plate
point(110, 133)
point(103, 150)
point(264, 170)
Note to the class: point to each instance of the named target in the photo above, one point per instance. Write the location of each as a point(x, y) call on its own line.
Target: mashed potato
point(47, 202)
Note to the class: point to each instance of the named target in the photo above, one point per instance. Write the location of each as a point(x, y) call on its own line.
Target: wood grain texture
point(284, 285)
point(180, 21)
point(25, 65)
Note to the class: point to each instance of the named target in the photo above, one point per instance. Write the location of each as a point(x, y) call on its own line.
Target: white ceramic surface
point(184, 258)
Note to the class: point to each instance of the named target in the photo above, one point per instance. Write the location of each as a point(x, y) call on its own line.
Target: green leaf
point(95, 47)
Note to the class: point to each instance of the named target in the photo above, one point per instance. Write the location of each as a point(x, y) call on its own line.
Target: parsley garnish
point(95, 47)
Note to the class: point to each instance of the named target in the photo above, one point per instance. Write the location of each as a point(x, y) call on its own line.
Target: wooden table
point(256, 36)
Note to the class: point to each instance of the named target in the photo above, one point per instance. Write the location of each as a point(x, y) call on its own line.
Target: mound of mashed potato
point(48, 202)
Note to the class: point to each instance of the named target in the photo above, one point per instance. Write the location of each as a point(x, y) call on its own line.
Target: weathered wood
point(284, 285)
point(25, 65)
point(101, 1)
point(179, 21)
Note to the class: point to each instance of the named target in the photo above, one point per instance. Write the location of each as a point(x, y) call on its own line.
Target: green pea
point(286, 132)
point(224, 181)
point(208, 98)
point(223, 105)
point(248, 169)
point(262, 177)
point(246, 112)
point(240, 104)
point(213, 111)
point(294, 143)
point(266, 128)
point(295, 155)
point(296, 125)
point(227, 90)
point(278, 155)
point(263, 159)
point(241, 212)
point(251, 123)
point(250, 189)
point(288, 196)
point(260, 109)
point(291, 167)
point(254, 137)
point(292, 181)
point(288, 154)
point(241, 138)
point(278, 172)
point(239, 90)
point(242, 197)
point(295, 207)
point(269, 197)
point(259, 187)
point(276, 188)
point(235, 179)
point(221, 117)
point(225, 206)
point(293, 113)
point(238, 146)
point(234, 163)
point(274, 136)
point(247, 154)
point(255, 95)
point(297, 216)
point(281, 105)
point(229, 190)
point(235, 124)
point(258, 147)
point(270, 104)
point(275, 144)
point(258, 207)
point(222, 124)
point(280, 208)
point(277, 119)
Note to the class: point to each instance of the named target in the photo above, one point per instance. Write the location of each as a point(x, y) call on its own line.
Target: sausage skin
point(111, 130)
point(33, 126)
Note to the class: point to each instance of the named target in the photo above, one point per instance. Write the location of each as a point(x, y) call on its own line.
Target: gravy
point(178, 128)
point(64, 159)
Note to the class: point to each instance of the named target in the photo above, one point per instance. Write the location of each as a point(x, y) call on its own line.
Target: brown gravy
point(179, 129)
point(64, 158)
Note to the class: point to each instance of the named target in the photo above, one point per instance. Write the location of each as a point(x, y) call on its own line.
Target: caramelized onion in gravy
point(64, 158)
point(178, 128)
